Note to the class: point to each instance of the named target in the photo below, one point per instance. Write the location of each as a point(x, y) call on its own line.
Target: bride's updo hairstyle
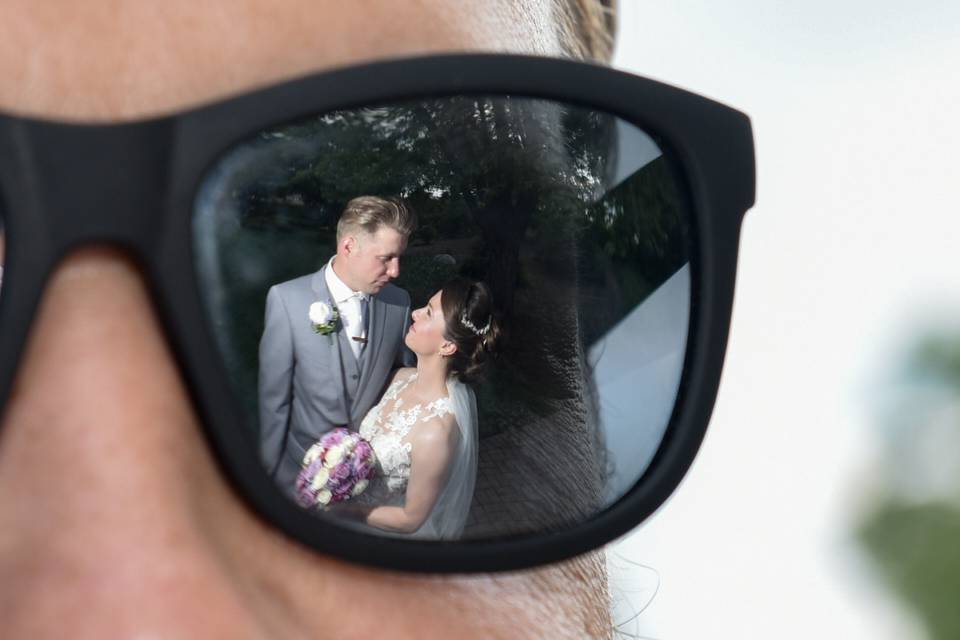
point(471, 325)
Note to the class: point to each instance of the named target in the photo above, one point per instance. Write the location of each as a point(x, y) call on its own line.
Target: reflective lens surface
point(577, 224)
point(3, 241)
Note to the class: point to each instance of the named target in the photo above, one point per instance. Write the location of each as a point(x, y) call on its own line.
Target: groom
point(324, 365)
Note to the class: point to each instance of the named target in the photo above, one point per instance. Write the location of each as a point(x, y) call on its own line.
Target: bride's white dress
point(386, 432)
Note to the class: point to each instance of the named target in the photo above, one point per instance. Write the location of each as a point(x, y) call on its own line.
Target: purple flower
point(305, 493)
point(365, 471)
point(340, 472)
point(333, 484)
point(332, 437)
point(304, 498)
point(356, 462)
point(362, 450)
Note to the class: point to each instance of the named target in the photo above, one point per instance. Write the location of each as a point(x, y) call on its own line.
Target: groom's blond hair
point(368, 213)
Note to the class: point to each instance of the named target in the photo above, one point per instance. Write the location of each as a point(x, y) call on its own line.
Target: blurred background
point(825, 501)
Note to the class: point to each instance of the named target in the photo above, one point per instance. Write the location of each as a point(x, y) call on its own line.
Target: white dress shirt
point(352, 306)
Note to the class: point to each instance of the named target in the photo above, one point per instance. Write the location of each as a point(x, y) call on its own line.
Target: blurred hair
point(369, 213)
point(477, 339)
point(587, 28)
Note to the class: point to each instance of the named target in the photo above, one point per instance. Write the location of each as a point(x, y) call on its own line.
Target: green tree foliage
point(916, 547)
point(938, 357)
point(914, 540)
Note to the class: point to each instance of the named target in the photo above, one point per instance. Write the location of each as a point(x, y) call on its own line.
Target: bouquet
point(336, 468)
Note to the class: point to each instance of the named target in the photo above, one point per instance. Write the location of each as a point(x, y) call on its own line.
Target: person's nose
point(393, 268)
point(114, 516)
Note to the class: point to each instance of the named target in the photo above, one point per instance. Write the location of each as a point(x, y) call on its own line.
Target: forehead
point(108, 60)
point(387, 240)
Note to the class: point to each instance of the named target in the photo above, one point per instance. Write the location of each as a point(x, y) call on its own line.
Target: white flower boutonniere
point(323, 318)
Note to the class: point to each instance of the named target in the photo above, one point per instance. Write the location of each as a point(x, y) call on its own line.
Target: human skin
point(116, 519)
point(427, 331)
point(368, 261)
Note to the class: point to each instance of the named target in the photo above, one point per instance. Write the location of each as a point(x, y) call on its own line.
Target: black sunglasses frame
point(133, 185)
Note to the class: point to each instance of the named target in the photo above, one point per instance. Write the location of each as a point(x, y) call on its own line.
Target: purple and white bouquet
point(339, 466)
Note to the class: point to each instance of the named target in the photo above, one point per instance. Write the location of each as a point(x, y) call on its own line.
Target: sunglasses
point(589, 215)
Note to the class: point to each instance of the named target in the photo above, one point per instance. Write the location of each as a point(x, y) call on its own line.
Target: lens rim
point(710, 143)
point(720, 189)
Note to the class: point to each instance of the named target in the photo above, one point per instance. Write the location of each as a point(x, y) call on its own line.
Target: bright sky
point(851, 249)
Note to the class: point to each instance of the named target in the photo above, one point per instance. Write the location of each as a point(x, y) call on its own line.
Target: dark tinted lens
point(3, 240)
point(577, 225)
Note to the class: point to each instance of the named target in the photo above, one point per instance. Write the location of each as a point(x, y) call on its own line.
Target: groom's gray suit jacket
point(311, 383)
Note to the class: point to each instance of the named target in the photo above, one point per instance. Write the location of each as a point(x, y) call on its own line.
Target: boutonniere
point(323, 318)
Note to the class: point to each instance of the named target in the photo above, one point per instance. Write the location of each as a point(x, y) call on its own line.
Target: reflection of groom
point(310, 381)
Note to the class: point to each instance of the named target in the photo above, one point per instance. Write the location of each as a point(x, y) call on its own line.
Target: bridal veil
point(449, 514)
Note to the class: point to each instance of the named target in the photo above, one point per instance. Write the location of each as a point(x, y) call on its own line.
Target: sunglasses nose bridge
point(103, 184)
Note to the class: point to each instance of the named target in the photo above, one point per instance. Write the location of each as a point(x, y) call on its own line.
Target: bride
point(424, 428)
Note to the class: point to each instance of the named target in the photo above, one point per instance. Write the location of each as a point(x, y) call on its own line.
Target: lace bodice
point(387, 434)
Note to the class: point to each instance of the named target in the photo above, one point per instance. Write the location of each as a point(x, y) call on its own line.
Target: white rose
point(312, 454)
point(320, 313)
point(359, 487)
point(320, 479)
point(334, 455)
point(323, 497)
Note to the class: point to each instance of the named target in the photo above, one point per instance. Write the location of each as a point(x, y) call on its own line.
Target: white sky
point(851, 249)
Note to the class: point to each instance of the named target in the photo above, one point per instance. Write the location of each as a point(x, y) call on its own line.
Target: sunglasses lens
point(3, 240)
point(578, 224)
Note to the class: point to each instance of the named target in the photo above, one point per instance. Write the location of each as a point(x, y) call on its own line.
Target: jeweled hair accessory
point(469, 325)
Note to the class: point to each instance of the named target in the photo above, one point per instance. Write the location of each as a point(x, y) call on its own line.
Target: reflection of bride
point(424, 429)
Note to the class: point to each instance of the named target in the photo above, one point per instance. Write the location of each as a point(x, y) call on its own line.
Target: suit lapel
point(376, 324)
point(318, 283)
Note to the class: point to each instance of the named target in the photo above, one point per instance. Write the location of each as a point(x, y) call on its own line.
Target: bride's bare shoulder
point(436, 431)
